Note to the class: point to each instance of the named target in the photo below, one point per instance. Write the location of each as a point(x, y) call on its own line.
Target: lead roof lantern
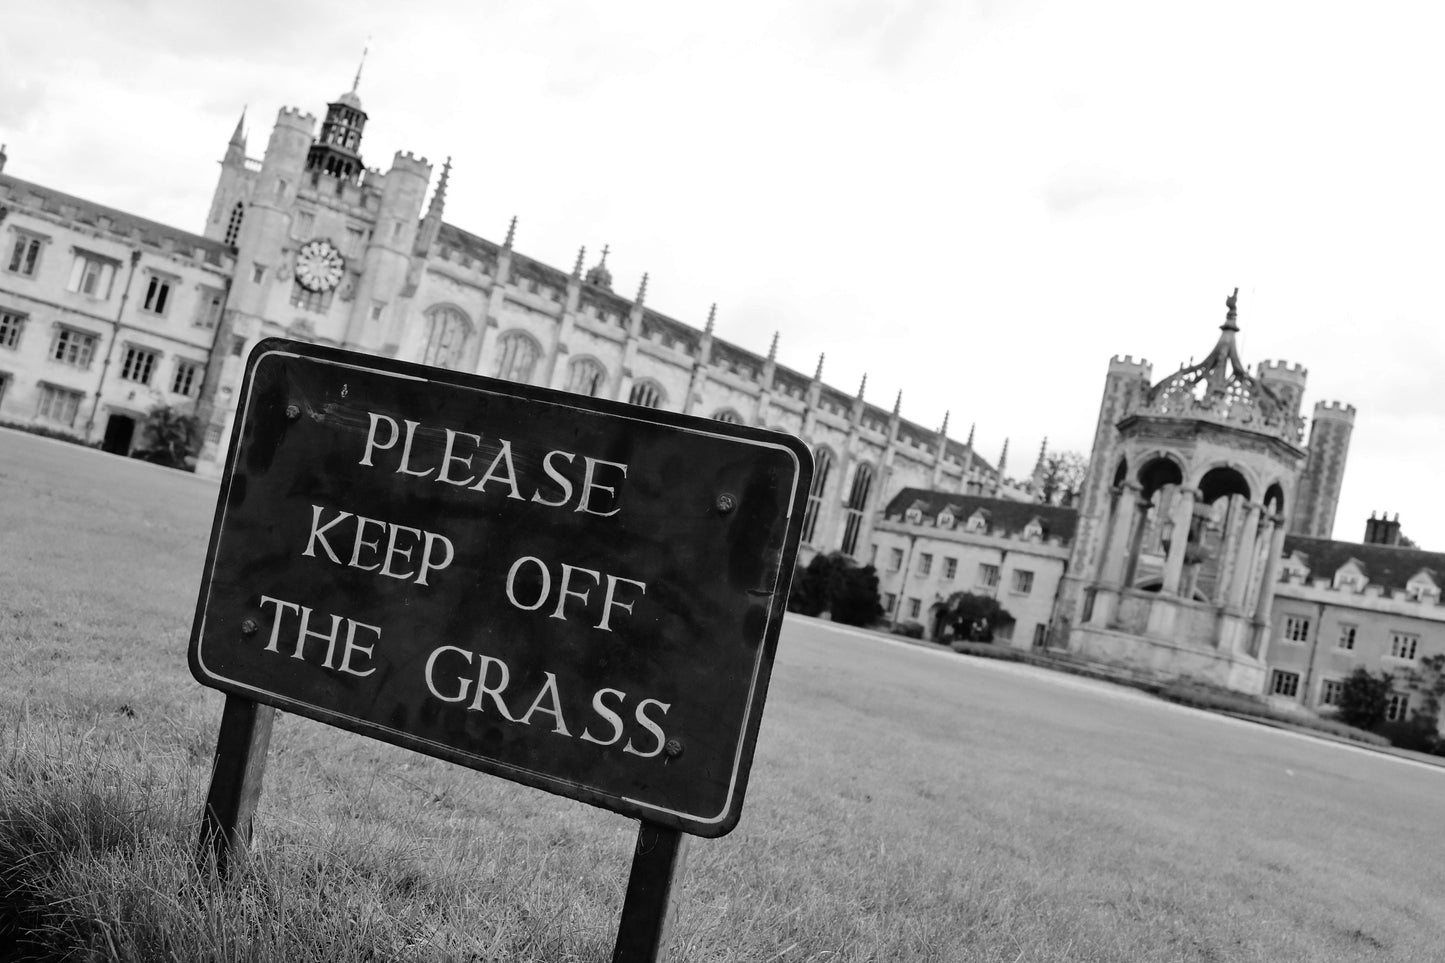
point(1221, 389)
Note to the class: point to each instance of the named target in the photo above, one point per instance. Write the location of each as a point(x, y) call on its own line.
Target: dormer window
point(913, 516)
point(1350, 577)
point(1422, 588)
point(977, 523)
point(945, 519)
point(1034, 530)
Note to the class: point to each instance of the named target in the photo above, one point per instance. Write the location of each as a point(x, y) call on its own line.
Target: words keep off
point(454, 674)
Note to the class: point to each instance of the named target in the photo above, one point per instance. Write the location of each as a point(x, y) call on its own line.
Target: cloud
point(1080, 192)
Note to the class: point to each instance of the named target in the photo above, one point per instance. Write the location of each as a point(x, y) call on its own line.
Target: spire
point(431, 224)
point(577, 268)
point(863, 386)
point(943, 432)
point(511, 234)
point(711, 319)
point(773, 348)
point(598, 274)
point(1043, 453)
point(439, 196)
point(818, 373)
point(1002, 459)
point(898, 402)
point(357, 79)
point(238, 139)
point(642, 290)
point(971, 428)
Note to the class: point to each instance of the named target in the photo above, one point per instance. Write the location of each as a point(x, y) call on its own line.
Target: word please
point(454, 467)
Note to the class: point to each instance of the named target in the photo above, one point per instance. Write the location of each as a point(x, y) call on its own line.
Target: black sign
point(575, 594)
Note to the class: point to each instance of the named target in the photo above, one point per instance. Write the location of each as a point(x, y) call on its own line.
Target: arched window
point(648, 394)
point(517, 355)
point(233, 229)
point(446, 337)
point(586, 376)
point(727, 416)
point(857, 505)
point(822, 468)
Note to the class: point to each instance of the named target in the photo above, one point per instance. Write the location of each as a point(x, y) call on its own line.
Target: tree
point(1062, 477)
point(973, 618)
point(1363, 698)
point(170, 437)
point(838, 585)
point(1429, 681)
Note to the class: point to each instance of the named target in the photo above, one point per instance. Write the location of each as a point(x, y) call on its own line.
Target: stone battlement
point(1283, 367)
point(1127, 363)
point(296, 118)
point(407, 161)
point(1335, 409)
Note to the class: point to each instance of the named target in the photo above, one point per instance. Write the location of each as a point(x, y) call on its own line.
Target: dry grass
point(905, 804)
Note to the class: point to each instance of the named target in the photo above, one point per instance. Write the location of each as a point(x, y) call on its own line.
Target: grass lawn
point(905, 804)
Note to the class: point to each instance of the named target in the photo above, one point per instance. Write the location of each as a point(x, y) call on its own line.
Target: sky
point(974, 202)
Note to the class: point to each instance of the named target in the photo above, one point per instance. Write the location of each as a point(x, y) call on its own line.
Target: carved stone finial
point(642, 290)
point(1232, 314)
point(711, 318)
point(773, 348)
point(818, 372)
point(511, 233)
point(577, 268)
point(863, 386)
point(944, 430)
point(971, 429)
point(898, 402)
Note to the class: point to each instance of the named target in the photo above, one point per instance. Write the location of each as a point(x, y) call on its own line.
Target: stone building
point(930, 544)
point(1340, 606)
point(333, 251)
point(1192, 483)
point(103, 315)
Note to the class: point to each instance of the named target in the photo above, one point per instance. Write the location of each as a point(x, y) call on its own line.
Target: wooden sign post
point(571, 593)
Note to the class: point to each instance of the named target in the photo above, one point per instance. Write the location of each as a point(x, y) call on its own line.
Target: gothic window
point(517, 357)
point(586, 376)
point(822, 468)
point(857, 504)
point(446, 337)
point(646, 393)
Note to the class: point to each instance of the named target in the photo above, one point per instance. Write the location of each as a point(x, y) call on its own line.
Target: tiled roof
point(1003, 515)
point(88, 212)
point(1389, 566)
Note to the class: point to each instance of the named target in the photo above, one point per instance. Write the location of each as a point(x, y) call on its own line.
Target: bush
point(1363, 698)
point(912, 630)
point(836, 584)
point(170, 438)
point(45, 431)
point(973, 618)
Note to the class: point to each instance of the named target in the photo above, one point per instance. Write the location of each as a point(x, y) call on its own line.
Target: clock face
point(319, 266)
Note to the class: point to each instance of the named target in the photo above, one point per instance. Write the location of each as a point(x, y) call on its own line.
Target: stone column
point(1224, 574)
point(1245, 550)
point(1274, 543)
point(1182, 515)
point(1117, 541)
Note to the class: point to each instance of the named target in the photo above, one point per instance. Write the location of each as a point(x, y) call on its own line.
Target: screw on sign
point(566, 592)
